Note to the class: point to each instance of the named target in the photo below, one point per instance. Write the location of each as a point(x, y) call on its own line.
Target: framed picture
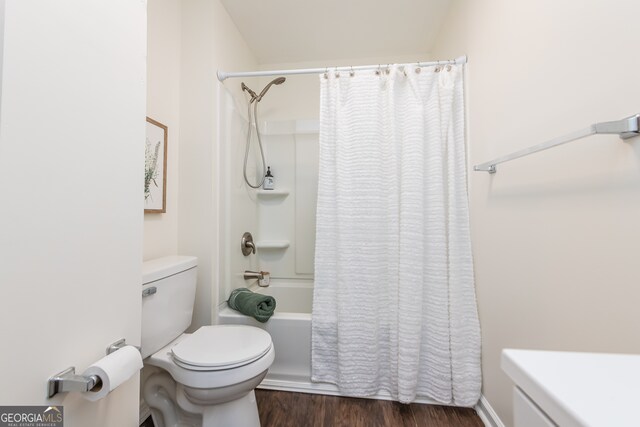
point(155, 168)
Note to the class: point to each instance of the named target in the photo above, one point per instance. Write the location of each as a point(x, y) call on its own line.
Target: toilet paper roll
point(113, 370)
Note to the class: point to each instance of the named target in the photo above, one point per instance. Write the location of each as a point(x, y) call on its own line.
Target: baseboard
point(487, 414)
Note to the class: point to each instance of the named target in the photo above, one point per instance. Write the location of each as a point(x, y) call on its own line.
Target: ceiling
point(314, 30)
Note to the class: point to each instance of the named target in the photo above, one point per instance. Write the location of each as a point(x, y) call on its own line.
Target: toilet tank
point(168, 294)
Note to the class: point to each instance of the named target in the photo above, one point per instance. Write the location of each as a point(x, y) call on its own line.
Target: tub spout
point(248, 274)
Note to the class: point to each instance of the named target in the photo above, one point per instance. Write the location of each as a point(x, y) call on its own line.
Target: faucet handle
point(247, 245)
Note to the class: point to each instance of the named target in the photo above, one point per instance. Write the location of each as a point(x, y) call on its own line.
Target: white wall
point(555, 235)
point(210, 41)
point(2, 6)
point(163, 105)
point(164, 25)
point(188, 42)
point(71, 168)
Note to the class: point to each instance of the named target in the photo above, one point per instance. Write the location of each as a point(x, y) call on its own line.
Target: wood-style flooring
point(285, 409)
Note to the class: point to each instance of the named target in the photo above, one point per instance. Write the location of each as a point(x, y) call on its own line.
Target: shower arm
point(252, 93)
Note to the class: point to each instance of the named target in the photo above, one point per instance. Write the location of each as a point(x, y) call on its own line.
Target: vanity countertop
point(579, 389)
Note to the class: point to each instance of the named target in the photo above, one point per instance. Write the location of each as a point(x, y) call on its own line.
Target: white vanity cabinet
point(570, 389)
point(526, 413)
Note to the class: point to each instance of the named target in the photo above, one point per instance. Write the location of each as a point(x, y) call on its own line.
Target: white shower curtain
point(394, 305)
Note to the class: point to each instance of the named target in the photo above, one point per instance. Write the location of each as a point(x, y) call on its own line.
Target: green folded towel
point(258, 306)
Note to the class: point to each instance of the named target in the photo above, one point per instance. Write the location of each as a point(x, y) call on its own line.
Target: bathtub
point(290, 329)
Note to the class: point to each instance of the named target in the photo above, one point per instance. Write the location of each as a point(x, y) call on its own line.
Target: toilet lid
point(221, 347)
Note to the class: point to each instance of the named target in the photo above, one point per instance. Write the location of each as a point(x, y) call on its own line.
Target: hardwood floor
point(284, 409)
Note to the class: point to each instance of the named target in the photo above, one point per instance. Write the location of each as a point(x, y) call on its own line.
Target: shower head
point(252, 93)
point(276, 81)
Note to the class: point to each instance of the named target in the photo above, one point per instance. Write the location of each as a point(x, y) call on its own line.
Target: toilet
point(206, 378)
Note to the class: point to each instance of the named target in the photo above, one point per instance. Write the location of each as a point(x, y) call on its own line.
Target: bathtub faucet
point(263, 277)
point(248, 274)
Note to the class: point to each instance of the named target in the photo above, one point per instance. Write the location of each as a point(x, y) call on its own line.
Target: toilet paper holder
point(118, 345)
point(67, 380)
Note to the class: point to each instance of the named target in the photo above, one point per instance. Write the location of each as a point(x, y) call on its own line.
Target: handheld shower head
point(252, 93)
point(253, 122)
point(276, 81)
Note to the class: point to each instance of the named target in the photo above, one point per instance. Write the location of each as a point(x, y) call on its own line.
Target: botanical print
point(155, 167)
point(150, 167)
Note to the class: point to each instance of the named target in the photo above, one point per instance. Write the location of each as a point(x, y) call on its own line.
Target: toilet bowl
point(207, 378)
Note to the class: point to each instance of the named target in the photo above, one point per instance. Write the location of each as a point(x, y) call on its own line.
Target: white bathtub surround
point(394, 302)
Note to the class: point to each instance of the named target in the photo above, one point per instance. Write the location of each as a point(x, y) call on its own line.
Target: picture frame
point(155, 167)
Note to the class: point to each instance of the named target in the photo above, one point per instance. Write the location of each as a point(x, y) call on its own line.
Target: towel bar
point(625, 129)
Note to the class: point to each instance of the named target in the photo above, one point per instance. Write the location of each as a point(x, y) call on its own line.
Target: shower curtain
point(394, 304)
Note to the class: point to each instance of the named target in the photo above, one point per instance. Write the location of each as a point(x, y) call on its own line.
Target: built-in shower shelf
point(272, 244)
point(273, 193)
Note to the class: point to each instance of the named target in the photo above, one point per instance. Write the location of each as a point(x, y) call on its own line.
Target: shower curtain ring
point(388, 69)
point(418, 69)
point(378, 70)
point(326, 72)
point(351, 73)
point(337, 73)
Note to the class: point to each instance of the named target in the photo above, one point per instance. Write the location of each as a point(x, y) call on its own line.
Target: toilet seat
point(220, 347)
point(208, 378)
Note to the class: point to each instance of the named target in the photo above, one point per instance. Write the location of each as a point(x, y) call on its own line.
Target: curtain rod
point(222, 75)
